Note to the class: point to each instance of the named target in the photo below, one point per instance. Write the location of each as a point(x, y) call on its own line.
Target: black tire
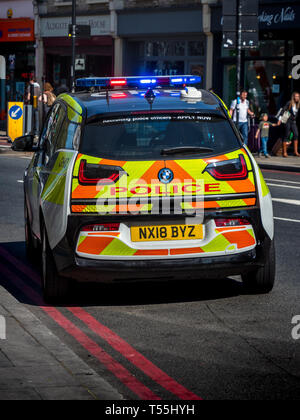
point(32, 253)
point(55, 287)
point(262, 281)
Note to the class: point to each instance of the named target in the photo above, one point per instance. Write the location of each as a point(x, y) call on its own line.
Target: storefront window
point(164, 67)
point(172, 57)
point(268, 48)
point(265, 82)
point(196, 48)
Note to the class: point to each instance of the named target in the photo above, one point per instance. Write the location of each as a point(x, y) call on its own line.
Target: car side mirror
point(23, 143)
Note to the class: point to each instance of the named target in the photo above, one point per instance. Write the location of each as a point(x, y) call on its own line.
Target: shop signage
point(277, 17)
point(269, 18)
point(16, 30)
point(59, 27)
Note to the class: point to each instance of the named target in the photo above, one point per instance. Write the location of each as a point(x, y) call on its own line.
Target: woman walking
point(288, 116)
point(47, 97)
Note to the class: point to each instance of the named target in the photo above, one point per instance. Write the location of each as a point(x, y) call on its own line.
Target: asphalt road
point(178, 341)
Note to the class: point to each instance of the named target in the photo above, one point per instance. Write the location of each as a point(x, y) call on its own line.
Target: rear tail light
point(231, 222)
point(118, 82)
point(91, 174)
point(106, 227)
point(229, 170)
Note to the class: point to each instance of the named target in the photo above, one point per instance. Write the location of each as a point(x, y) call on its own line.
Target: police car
point(145, 178)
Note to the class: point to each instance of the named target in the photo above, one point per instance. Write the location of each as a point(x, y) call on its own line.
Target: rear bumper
point(107, 271)
point(85, 270)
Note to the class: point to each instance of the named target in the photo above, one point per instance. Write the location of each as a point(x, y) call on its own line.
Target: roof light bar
point(145, 81)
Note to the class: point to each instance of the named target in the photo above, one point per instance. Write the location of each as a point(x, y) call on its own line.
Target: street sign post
point(240, 31)
point(15, 115)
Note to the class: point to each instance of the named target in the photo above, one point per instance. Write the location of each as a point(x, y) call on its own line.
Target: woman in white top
point(292, 107)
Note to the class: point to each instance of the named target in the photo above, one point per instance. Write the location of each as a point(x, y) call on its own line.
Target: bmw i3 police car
point(145, 178)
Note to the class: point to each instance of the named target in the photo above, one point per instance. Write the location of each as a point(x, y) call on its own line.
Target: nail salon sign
point(278, 17)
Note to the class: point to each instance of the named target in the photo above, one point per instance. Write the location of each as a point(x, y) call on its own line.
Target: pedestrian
point(47, 98)
point(263, 130)
point(33, 93)
point(288, 116)
point(244, 111)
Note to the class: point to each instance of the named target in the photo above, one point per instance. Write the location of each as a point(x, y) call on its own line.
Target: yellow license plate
point(166, 233)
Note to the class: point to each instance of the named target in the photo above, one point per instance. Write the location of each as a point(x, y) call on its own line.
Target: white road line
point(287, 220)
point(284, 186)
point(282, 180)
point(20, 181)
point(287, 201)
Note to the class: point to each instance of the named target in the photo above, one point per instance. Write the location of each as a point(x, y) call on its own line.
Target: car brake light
point(106, 227)
point(118, 82)
point(229, 170)
point(231, 222)
point(93, 174)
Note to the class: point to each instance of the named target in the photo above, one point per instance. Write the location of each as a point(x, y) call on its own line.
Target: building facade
point(128, 37)
point(266, 70)
point(94, 55)
point(17, 46)
point(164, 37)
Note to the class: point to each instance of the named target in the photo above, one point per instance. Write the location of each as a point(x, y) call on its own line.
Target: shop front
point(17, 47)
point(267, 70)
point(163, 42)
point(94, 56)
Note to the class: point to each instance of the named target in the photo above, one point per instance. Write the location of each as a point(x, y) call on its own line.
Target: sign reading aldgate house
point(58, 27)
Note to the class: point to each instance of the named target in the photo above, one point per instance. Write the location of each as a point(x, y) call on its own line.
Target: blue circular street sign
point(165, 175)
point(15, 112)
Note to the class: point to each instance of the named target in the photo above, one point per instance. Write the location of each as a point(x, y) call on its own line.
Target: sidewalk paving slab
point(35, 364)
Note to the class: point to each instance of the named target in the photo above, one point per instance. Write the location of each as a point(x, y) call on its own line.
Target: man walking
point(33, 93)
point(244, 108)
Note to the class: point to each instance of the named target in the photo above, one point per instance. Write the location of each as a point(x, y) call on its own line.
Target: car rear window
point(144, 137)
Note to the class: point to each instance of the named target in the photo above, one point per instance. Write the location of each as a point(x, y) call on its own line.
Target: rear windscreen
point(145, 137)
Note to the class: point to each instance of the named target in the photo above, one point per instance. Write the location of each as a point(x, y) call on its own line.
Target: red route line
point(133, 355)
point(91, 346)
point(116, 342)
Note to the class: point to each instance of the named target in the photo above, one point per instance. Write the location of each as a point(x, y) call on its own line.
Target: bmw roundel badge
point(165, 175)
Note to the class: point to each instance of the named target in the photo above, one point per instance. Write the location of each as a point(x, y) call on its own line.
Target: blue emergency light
point(137, 81)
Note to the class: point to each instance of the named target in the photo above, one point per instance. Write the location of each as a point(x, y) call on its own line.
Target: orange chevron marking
point(152, 252)
point(243, 239)
point(94, 246)
point(242, 186)
point(184, 251)
point(151, 174)
point(87, 191)
point(250, 201)
point(78, 209)
point(180, 175)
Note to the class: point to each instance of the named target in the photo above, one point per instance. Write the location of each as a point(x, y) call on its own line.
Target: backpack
point(50, 98)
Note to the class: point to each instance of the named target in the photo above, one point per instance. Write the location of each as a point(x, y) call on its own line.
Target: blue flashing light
point(137, 81)
point(178, 80)
point(148, 81)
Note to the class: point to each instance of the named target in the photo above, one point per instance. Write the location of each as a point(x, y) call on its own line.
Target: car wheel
point(262, 280)
point(55, 287)
point(32, 252)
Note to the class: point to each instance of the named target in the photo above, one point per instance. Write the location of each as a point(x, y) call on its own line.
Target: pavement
point(290, 164)
point(36, 365)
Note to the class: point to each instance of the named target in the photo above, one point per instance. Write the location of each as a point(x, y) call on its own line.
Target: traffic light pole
point(239, 59)
point(73, 45)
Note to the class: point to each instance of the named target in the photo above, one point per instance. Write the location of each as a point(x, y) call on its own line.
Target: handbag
point(285, 117)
